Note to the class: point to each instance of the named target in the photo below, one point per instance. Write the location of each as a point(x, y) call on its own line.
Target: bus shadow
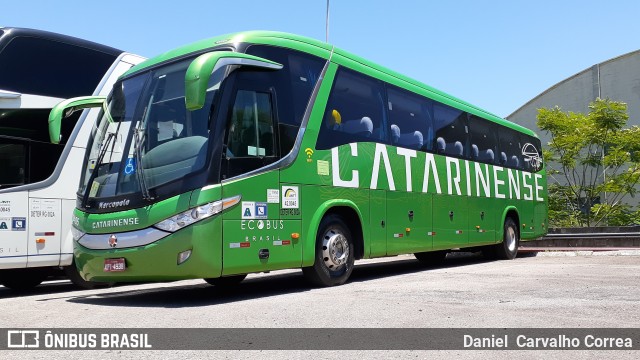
point(202, 294)
point(46, 288)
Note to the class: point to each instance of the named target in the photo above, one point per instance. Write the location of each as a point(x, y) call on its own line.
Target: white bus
point(38, 178)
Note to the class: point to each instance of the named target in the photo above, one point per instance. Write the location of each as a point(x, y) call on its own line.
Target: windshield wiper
point(94, 173)
point(139, 168)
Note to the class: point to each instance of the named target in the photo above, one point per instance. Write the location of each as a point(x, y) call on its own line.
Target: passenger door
point(255, 238)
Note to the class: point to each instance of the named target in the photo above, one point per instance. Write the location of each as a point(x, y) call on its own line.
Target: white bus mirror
point(66, 108)
point(200, 70)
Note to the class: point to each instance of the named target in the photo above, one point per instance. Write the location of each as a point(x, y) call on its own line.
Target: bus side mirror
point(66, 108)
point(200, 70)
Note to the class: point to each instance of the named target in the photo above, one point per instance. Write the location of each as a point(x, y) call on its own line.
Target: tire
point(226, 281)
point(22, 279)
point(72, 273)
point(508, 248)
point(334, 258)
point(431, 258)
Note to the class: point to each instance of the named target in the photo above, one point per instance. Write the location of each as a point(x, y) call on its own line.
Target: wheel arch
point(509, 211)
point(352, 216)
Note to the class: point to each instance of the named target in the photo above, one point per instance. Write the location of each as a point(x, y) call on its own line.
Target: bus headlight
point(77, 234)
point(196, 214)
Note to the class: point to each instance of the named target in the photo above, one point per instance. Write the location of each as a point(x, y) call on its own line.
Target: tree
point(593, 163)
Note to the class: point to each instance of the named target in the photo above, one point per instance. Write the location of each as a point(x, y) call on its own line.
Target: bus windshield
point(145, 138)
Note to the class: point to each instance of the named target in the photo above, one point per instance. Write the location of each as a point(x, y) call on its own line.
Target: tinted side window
point(13, 155)
point(251, 129)
point(50, 68)
point(450, 131)
point(484, 140)
point(32, 124)
point(294, 84)
point(510, 149)
point(410, 116)
point(26, 162)
point(355, 111)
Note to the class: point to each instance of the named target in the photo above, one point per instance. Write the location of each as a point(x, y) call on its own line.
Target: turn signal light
point(295, 236)
point(40, 241)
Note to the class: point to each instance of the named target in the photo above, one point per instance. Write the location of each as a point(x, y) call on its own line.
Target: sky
point(497, 55)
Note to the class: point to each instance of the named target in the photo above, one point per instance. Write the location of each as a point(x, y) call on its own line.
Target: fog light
point(184, 256)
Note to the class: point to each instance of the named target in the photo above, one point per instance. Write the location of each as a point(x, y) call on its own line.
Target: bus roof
point(275, 38)
point(8, 33)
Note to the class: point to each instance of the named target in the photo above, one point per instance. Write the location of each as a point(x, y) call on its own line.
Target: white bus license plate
point(113, 265)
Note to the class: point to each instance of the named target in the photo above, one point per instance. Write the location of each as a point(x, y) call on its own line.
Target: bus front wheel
point(73, 274)
point(334, 259)
point(22, 279)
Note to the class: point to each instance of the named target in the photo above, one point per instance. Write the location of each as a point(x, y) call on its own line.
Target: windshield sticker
point(323, 167)
point(255, 151)
point(18, 224)
point(130, 168)
point(261, 210)
point(290, 197)
point(3, 224)
point(5, 206)
point(44, 208)
point(95, 186)
point(273, 196)
point(248, 209)
point(254, 210)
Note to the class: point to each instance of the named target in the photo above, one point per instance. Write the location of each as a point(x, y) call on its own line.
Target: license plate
point(113, 265)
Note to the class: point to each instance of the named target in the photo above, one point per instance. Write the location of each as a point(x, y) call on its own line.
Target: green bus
point(259, 151)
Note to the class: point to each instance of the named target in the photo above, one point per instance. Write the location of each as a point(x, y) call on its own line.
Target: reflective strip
point(240, 245)
point(48, 233)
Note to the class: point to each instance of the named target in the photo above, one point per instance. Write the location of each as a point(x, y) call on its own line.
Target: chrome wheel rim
point(511, 239)
point(335, 250)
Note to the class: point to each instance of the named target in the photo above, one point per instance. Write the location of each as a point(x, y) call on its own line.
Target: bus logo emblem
point(113, 241)
point(531, 156)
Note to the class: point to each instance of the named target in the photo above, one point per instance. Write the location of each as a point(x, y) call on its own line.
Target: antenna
point(327, 24)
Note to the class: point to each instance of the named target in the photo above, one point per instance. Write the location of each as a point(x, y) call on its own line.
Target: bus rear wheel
point(226, 281)
point(431, 258)
point(334, 259)
point(508, 248)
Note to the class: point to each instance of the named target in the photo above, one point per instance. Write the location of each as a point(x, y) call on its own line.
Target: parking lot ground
point(544, 291)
